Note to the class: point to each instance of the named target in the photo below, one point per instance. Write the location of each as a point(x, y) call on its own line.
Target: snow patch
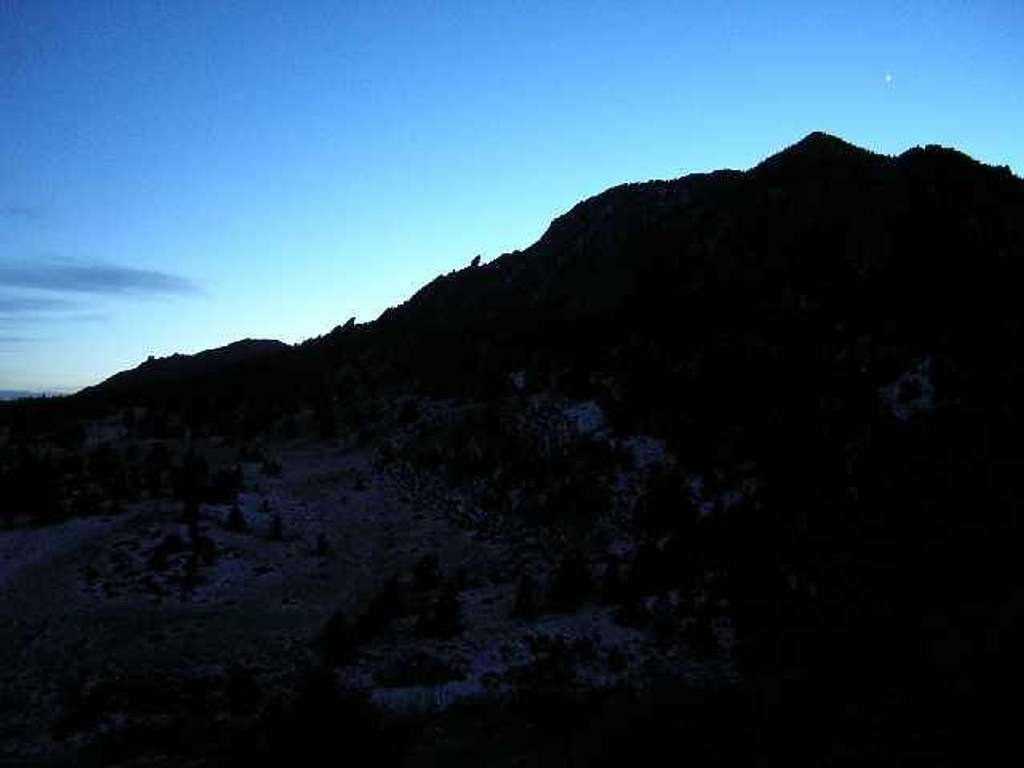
point(646, 451)
point(586, 417)
point(911, 393)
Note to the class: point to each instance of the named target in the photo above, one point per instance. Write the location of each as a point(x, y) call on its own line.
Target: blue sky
point(178, 175)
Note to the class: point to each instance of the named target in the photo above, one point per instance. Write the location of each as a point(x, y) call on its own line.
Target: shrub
point(664, 621)
point(277, 527)
point(235, 520)
point(190, 575)
point(250, 453)
point(224, 485)
point(192, 476)
point(617, 661)
point(572, 583)
point(666, 505)
point(336, 641)
point(418, 669)
point(206, 549)
point(190, 509)
point(310, 725)
point(171, 545)
point(528, 599)
point(443, 618)
point(241, 690)
point(613, 587)
point(700, 636)
point(632, 613)
point(655, 569)
point(323, 547)
point(426, 574)
point(158, 558)
point(385, 606)
point(553, 664)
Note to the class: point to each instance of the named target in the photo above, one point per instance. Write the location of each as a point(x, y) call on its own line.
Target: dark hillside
point(832, 337)
point(159, 372)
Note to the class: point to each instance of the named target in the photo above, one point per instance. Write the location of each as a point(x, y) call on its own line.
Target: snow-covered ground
point(92, 594)
point(911, 393)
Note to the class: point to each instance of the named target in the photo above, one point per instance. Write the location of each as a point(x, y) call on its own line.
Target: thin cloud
point(97, 279)
point(17, 305)
point(19, 211)
point(31, 318)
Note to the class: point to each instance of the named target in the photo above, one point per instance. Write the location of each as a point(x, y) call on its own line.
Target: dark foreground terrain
point(725, 469)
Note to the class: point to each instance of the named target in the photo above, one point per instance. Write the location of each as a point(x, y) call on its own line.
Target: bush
point(192, 477)
point(632, 613)
point(655, 569)
point(336, 642)
point(664, 621)
point(323, 547)
point(426, 574)
point(250, 453)
point(443, 618)
point(613, 587)
point(312, 725)
point(700, 636)
point(418, 669)
point(553, 664)
point(206, 549)
point(158, 559)
point(666, 505)
point(190, 512)
point(190, 575)
point(241, 690)
point(528, 599)
point(277, 527)
point(617, 661)
point(171, 545)
point(572, 583)
point(382, 609)
point(235, 520)
point(224, 485)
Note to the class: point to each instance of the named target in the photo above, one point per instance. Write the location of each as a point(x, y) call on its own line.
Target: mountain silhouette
point(825, 346)
point(156, 372)
point(819, 249)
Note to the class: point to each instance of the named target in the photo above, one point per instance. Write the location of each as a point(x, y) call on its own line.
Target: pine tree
point(323, 547)
point(236, 520)
point(277, 527)
point(527, 604)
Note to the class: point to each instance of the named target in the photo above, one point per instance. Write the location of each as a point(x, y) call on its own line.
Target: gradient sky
point(178, 175)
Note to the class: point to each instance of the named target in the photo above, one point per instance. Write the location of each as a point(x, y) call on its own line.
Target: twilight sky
point(177, 175)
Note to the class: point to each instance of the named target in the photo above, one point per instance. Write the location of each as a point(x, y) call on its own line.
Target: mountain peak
point(822, 140)
point(817, 148)
point(820, 144)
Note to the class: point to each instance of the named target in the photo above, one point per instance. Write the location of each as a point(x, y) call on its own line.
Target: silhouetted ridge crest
point(821, 227)
point(819, 153)
point(946, 160)
point(179, 367)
